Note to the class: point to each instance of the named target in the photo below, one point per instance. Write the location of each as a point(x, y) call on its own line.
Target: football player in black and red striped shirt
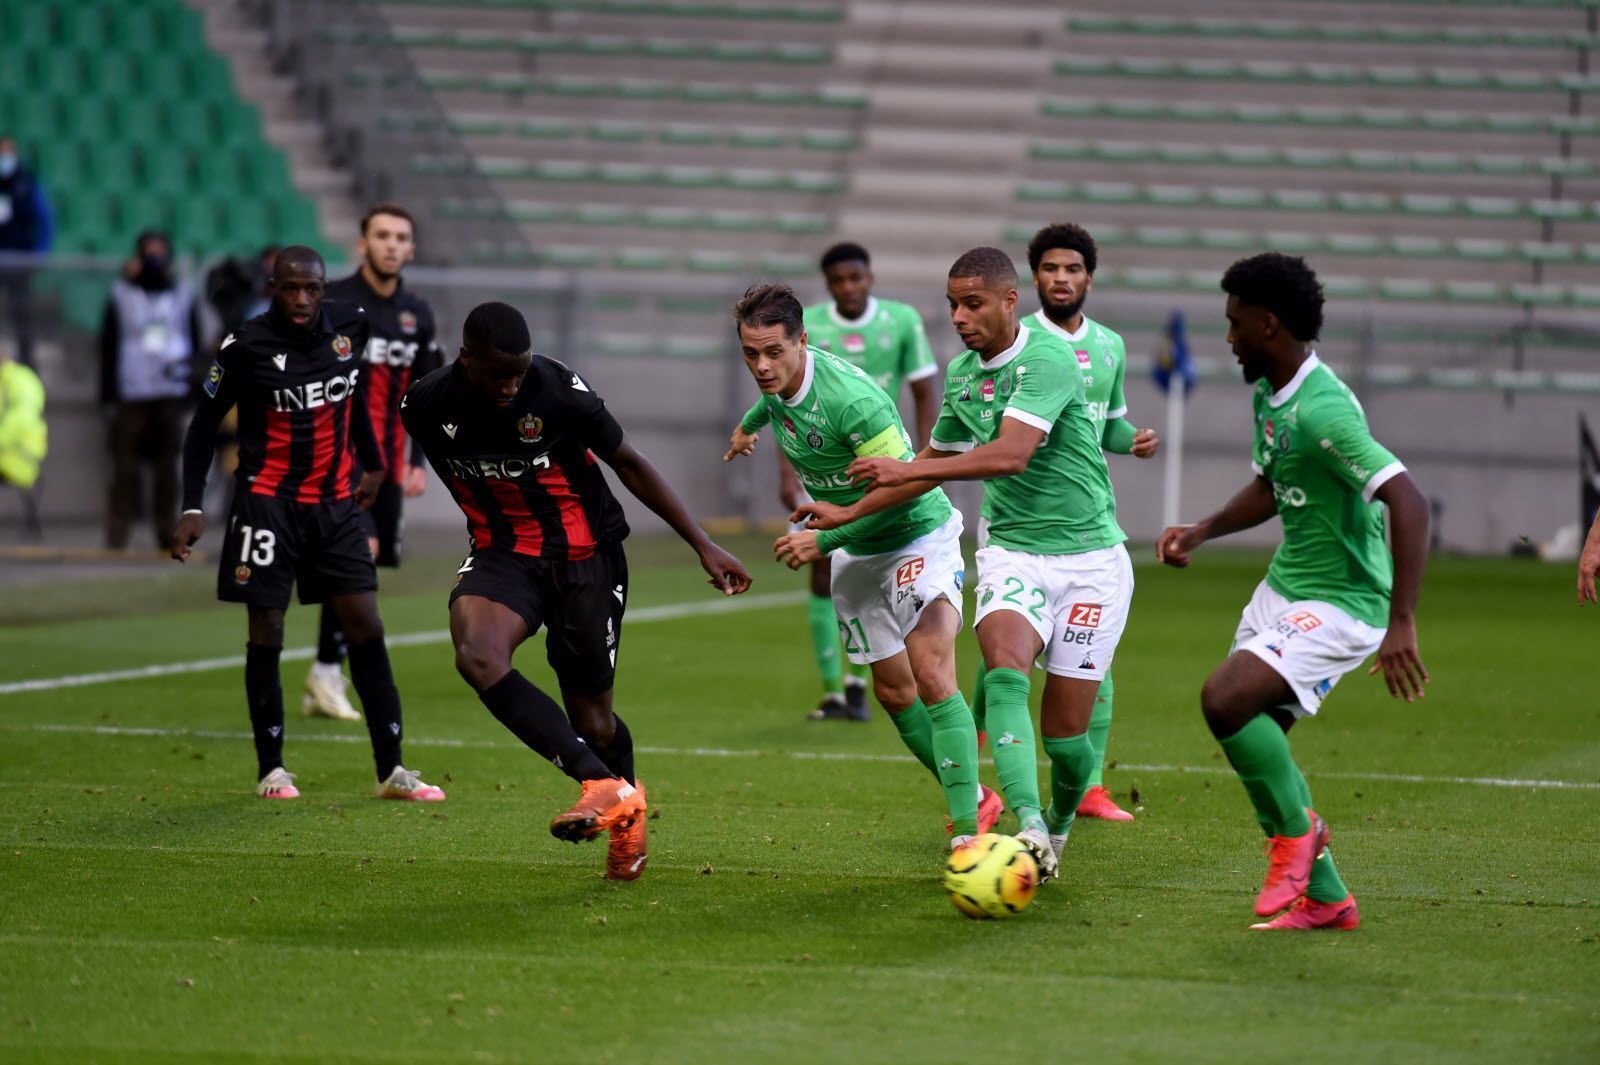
point(295, 373)
point(518, 439)
point(402, 350)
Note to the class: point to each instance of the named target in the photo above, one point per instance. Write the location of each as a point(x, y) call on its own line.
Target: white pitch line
point(812, 756)
point(641, 616)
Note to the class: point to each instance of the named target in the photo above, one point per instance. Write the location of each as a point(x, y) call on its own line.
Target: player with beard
point(1334, 594)
point(294, 373)
point(402, 350)
point(1063, 259)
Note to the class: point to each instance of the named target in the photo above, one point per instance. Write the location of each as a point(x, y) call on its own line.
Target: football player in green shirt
point(1332, 595)
point(897, 575)
point(885, 339)
point(1053, 576)
point(1063, 258)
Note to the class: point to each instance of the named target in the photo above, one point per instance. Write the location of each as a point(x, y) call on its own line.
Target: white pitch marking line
point(815, 756)
point(641, 616)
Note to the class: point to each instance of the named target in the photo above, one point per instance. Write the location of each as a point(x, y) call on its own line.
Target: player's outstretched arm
point(1249, 507)
point(1589, 563)
point(1005, 456)
point(819, 515)
point(1398, 659)
point(725, 572)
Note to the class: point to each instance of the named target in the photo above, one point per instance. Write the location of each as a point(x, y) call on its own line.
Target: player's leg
point(1097, 801)
point(931, 650)
point(256, 567)
point(1064, 714)
point(978, 702)
point(263, 688)
point(1013, 627)
point(824, 629)
point(1239, 700)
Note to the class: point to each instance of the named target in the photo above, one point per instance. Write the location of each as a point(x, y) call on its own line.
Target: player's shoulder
point(1107, 336)
point(555, 380)
point(407, 300)
point(251, 337)
point(431, 385)
point(1324, 396)
point(342, 315)
point(1043, 345)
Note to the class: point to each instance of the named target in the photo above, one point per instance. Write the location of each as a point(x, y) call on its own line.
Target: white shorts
point(1078, 604)
point(879, 598)
point(1310, 644)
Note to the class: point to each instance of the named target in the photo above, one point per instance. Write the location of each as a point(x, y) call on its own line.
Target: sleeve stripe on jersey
point(1028, 419)
point(1120, 412)
point(1377, 480)
point(956, 446)
point(922, 371)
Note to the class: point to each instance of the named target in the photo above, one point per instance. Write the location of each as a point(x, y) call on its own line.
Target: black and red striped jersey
point(301, 407)
point(526, 476)
point(403, 349)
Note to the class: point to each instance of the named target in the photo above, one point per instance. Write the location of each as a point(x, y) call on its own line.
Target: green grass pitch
point(154, 911)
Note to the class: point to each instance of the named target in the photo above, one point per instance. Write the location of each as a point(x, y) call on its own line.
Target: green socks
point(979, 703)
point(1099, 728)
point(1011, 739)
point(916, 731)
point(1325, 884)
point(1072, 763)
point(825, 641)
point(1259, 753)
point(955, 750)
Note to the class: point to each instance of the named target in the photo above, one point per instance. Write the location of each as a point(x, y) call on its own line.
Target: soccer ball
point(991, 876)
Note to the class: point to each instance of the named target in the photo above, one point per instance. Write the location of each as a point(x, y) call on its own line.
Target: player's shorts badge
point(530, 428)
point(241, 574)
point(341, 347)
point(408, 322)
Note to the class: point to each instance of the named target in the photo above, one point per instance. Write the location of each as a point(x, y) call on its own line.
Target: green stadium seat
point(1538, 251)
point(1292, 242)
point(714, 262)
point(1414, 247)
point(1471, 292)
point(640, 259)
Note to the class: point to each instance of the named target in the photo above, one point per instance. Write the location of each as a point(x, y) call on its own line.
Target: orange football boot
point(602, 803)
point(625, 854)
point(1289, 861)
point(1098, 803)
point(1307, 914)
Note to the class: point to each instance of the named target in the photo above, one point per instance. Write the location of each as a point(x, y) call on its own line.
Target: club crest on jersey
point(530, 428)
point(1283, 439)
point(341, 347)
point(814, 438)
point(854, 343)
point(408, 322)
point(241, 574)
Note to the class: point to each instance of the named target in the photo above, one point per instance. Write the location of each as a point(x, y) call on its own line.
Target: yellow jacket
point(22, 432)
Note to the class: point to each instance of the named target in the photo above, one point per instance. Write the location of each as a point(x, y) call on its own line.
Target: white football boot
point(325, 694)
point(278, 784)
point(1044, 854)
point(408, 785)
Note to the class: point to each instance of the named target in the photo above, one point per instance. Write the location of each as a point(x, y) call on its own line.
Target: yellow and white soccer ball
point(991, 876)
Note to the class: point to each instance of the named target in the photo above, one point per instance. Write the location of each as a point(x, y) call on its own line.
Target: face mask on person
point(8, 163)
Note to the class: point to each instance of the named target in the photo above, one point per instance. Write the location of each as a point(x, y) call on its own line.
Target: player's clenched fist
point(190, 528)
point(1175, 544)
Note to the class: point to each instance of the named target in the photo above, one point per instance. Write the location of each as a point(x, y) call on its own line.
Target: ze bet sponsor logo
point(1085, 615)
point(909, 571)
point(1303, 620)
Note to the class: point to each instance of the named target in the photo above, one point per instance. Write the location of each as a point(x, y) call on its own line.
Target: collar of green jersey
point(805, 383)
point(1051, 327)
point(1286, 393)
point(1008, 354)
point(853, 323)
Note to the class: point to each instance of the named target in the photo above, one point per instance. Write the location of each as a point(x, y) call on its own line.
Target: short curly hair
point(990, 265)
point(1282, 284)
point(1063, 235)
point(845, 252)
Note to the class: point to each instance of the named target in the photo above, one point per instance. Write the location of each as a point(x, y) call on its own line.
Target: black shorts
point(581, 604)
point(385, 524)
point(272, 544)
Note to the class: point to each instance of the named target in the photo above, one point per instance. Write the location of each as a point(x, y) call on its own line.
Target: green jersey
point(888, 341)
point(1061, 504)
point(1103, 360)
point(837, 416)
point(1313, 444)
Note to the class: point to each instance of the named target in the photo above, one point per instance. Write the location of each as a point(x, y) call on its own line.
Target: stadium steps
point(1278, 31)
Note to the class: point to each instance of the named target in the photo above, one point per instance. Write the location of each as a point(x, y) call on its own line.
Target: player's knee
point(266, 628)
point(1223, 705)
point(894, 695)
point(479, 665)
